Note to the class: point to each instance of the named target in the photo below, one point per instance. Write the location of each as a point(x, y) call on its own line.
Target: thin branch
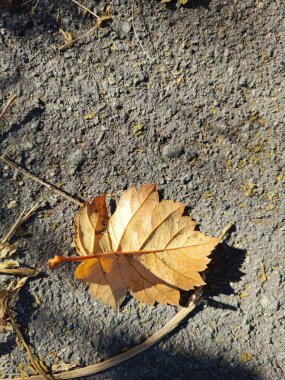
point(8, 105)
point(79, 38)
point(21, 219)
point(34, 362)
point(32, 210)
point(20, 272)
point(86, 9)
point(42, 182)
point(136, 35)
point(225, 230)
point(12, 230)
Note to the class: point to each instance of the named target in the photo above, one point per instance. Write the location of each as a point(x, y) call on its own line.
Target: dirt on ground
point(190, 98)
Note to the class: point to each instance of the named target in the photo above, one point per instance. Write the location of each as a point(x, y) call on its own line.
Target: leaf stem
point(53, 263)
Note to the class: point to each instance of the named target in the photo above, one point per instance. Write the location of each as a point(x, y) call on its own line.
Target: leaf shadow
point(164, 360)
point(224, 269)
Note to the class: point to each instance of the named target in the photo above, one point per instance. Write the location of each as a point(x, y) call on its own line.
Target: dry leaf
point(20, 284)
point(148, 248)
point(90, 116)
point(3, 308)
point(262, 275)
point(68, 37)
point(60, 367)
point(4, 296)
point(89, 224)
point(9, 264)
point(105, 17)
point(7, 249)
point(249, 189)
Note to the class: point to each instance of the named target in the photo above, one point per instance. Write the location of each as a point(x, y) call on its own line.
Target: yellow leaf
point(138, 129)
point(148, 249)
point(249, 189)
point(246, 357)
point(9, 264)
point(270, 207)
point(262, 275)
point(89, 224)
point(90, 116)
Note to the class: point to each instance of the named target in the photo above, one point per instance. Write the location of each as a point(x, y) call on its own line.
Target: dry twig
point(79, 38)
point(85, 8)
point(21, 219)
point(12, 230)
point(8, 105)
point(34, 362)
point(42, 182)
point(21, 272)
point(136, 35)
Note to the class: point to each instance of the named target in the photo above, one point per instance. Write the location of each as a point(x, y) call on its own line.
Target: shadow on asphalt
point(158, 362)
point(224, 269)
point(32, 115)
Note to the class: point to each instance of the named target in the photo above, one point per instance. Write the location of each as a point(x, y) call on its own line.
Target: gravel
point(208, 87)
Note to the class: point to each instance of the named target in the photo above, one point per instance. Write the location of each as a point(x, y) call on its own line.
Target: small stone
point(40, 139)
point(192, 155)
point(281, 356)
point(242, 82)
point(76, 159)
point(37, 125)
point(126, 27)
point(12, 204)
point(139, 78)
point(172, 151)
point(111, 79)
point(186, 178)
point(28, 145)
point(264, 302)
point(269, 303)
point(230, 70)
point(273, 304)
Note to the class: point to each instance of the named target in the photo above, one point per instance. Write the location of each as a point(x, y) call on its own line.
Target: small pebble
point(186, 178)
point(76, 159)
point(172, 151)
point(126, 27)
point(12, 204)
